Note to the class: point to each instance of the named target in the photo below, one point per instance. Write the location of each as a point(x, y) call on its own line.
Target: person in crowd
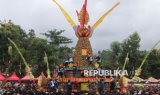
point(98, 59)
point(61, 71)
point(112, 85)
point(90, 58)
point(31, 89)
point(69, 86)
point(66, 63)
point(74, 70)
point(75, 86)
point(53, 85)
point(70, 59)
point(101, 86)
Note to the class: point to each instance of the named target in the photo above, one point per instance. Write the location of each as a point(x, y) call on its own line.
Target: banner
point(84, 79)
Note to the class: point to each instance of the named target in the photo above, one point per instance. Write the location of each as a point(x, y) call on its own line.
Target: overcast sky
point(142, 16)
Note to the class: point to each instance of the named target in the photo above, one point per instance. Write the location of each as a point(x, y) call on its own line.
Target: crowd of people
point(147, 90)
point(55, 87)
point(73, 88)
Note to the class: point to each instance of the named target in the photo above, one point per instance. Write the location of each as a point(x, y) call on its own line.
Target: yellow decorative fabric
point(103, 17)
point(68, 18)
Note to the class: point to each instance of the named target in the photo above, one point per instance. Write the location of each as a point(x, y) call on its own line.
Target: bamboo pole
point(28, 69)
point(46, 61)
point(138, 71)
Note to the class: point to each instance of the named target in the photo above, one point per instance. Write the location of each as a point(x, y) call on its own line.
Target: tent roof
point(129, 80)
point(14, 77)
point(26, 77)
point(138, 79)
point(42, 74)
point(2, 78)
point(152, 79)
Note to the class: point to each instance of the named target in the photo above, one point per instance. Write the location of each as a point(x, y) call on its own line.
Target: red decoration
point(26, 78)
point(14, 77)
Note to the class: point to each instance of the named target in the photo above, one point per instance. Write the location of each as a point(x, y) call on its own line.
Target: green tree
point(32, 48)
point(55, 37)
point(31, 33)
point(18, 35)
point(131, 45)
point(152, 65)
point(116, 51)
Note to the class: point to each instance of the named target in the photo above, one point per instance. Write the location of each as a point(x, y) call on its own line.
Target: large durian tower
point(83, 32)
point(83, 45)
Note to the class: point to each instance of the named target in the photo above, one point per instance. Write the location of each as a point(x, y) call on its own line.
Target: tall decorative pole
point(46, 62)
point(28, 69)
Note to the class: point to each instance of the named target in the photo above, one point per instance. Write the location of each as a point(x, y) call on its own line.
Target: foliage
point(55, 45)
point(115, 57)
point(32, 48)
point(8, 29)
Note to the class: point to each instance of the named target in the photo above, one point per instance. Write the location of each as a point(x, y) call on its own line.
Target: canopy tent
point(26, 78)
point(14, 77)
point(129, 80)
point(152, 79)
point(2, 78)
point(35, 80)
point(138, 80)
point(42, 74)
